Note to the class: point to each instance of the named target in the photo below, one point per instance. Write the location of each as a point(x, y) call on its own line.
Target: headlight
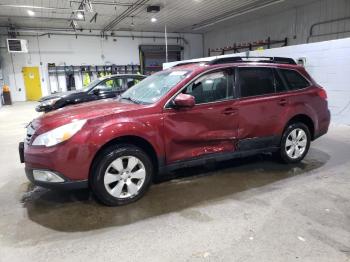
point(50, 102)
point(58, 134)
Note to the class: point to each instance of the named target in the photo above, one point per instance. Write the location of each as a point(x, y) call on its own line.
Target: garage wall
point(69, 50)
point(293, 23)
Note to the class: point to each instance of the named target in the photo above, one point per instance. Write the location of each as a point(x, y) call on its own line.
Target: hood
point(62, 94)
point(86, 111)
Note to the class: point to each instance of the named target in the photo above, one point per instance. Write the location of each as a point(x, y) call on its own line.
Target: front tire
point(121, 175)
point(295, 143)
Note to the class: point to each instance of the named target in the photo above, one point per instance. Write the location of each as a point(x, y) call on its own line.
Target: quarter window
point(255, 81)
point(294, 79)
point(215, 86)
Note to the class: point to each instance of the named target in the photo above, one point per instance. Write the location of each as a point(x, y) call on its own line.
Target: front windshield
point(151, 89)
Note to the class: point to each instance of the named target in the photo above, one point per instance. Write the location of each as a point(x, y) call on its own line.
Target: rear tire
point(121, 175)
point(295, 143)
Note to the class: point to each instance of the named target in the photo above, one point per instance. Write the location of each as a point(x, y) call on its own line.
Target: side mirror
point(96, 91)
point(184, 101)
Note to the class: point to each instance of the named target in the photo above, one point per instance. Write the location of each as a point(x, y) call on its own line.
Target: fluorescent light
point(80, 15)
point(216, 20)
point(153, 19)
point(30, 12)
point(39, 7)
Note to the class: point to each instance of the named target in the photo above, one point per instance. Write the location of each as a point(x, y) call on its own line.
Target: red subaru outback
point(184, 116)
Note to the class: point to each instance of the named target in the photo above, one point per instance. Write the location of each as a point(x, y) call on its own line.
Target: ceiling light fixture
point(80, 15)
point(153, 19)
point(38, 7)
point(153, 9)
point(225, 17)
point(30, 12)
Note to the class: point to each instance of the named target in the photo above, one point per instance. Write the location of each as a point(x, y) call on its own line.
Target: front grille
point(30, 133)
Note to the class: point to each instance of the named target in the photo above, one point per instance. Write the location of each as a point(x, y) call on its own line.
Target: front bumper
point(70, 160)
point(66, 185)
point(21, 151)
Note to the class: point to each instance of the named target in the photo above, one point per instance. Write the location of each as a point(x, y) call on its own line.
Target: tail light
point(322, 93)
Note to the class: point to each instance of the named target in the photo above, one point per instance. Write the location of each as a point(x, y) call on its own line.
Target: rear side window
point(294, 80)
point(110, 85)
point(279, 84)
point(255, 81)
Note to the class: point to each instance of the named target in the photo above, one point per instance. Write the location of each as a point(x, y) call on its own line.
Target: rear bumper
point(320, 133)
point(66, 185)
point(323, 125)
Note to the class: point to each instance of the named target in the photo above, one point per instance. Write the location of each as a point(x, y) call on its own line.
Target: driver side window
point(110, 85)
point(212, 87)
point(102, 86)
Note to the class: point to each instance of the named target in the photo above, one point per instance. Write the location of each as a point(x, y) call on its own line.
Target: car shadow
point(76, 211)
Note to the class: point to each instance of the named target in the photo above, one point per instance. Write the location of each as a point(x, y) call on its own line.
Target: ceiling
point(195, 16)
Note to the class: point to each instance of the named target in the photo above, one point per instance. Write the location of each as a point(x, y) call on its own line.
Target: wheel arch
point(305, 119)
point(131, 140)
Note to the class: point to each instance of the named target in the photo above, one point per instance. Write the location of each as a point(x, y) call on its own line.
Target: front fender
point(110, 129)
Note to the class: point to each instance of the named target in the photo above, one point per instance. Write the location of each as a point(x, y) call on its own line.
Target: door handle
point(282, 102)
point(230, 111)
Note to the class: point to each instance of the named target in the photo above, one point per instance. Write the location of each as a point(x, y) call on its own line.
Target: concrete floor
point(251, 209)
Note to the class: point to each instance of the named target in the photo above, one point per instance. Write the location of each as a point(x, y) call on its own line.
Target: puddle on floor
point(75, 211)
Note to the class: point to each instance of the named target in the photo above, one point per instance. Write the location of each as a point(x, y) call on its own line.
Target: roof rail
point(185, 63)
point(255, 59)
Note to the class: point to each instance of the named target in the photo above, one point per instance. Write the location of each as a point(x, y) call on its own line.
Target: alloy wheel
point(124, 177)
point(296, 143)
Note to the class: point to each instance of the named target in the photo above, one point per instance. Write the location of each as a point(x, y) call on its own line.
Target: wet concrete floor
point(251, 209)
